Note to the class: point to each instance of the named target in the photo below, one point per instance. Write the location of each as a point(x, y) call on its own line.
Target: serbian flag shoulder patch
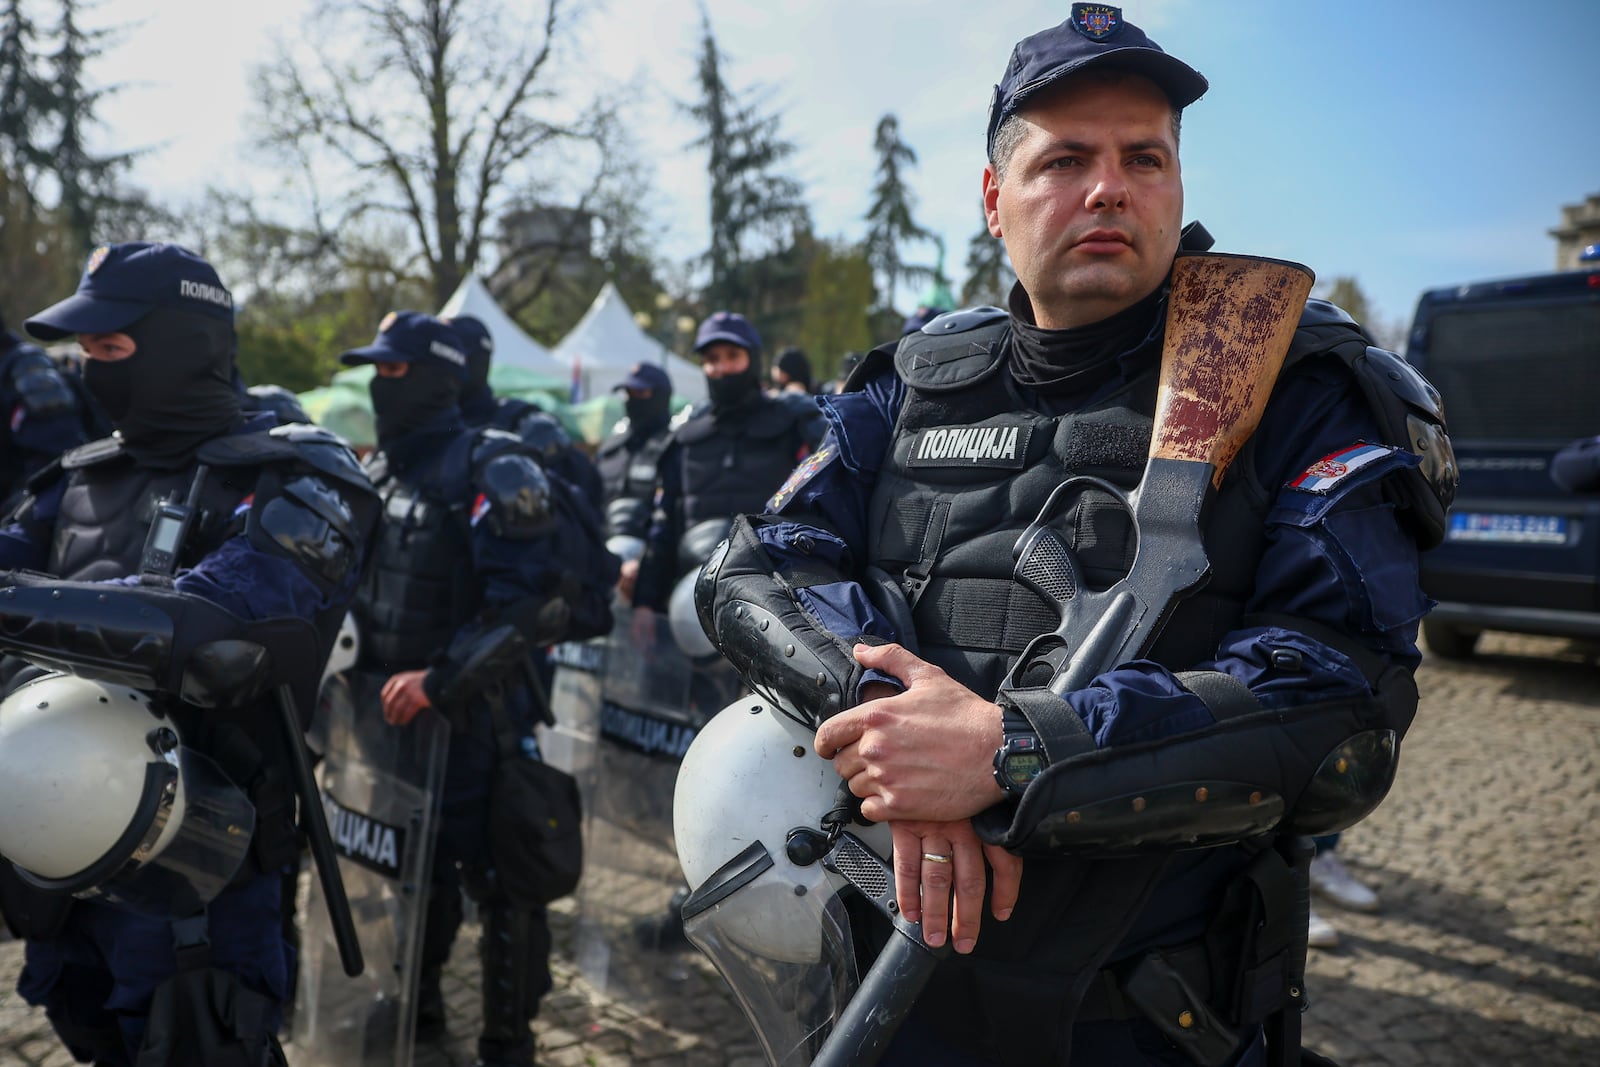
point(1335, 467)
point(480, 508)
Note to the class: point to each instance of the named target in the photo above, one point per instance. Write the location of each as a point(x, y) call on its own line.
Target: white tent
point(512, 347)
point(606, 343)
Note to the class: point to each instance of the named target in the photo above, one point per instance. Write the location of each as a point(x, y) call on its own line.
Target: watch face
point(1020, 768)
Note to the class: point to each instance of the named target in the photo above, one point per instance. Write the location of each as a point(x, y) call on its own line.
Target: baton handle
point(888, 990)
point(314, 821)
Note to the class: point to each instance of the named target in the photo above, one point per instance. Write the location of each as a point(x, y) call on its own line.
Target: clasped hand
point(922, 761)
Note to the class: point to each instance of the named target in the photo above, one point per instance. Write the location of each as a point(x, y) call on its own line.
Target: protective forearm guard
point(1311, 769)
point(487, 660)
point(752, 615)
point(152, 638)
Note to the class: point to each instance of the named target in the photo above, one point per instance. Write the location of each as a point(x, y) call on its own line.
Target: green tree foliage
point(757, 211)
point(839, 292)
point(989, 273)
point(38, 260)
point(88, 182)
point(440, 115)
point(1347, 293)
point(889, 220)
point(27, 99)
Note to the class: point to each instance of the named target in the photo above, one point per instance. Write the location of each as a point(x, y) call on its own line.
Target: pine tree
point(754, 208)
point(989, 273)
point(889, 220)
point(26, 98)
point(88, 182)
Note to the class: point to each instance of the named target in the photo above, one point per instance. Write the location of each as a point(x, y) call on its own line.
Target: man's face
point(106, 347)
point(391, 370)
point(1092, 202)
point(722, 358)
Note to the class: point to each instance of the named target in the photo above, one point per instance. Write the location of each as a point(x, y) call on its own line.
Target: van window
point(1518, 372)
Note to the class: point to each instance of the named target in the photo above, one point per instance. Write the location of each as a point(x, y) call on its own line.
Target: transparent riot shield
point(654, 699)
point(381, 786)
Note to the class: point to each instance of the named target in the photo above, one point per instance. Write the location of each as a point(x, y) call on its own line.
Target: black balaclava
point(1077, 361)
point(175, 392)
point(648, 414)
point(477, 399)
point(401, 405)
point(733, 392)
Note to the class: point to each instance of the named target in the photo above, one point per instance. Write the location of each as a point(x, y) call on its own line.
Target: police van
point(1518, 364)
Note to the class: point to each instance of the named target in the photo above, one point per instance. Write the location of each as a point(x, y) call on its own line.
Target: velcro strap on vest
point(1224, 695)
point(1372, 665)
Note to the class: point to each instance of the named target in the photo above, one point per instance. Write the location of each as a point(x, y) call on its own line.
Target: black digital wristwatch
point(1021, 757)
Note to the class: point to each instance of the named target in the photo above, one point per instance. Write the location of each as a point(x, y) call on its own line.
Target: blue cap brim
point(731, 338)
point(373, 354)
point(82, 313)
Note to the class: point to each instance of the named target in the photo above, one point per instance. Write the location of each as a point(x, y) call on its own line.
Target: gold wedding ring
point(934, 857)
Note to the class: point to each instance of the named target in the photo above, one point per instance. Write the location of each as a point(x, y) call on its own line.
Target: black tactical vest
point(419, 587)
point(732, 465)
point(630, 472)
point(110, 501)
point(971, 466)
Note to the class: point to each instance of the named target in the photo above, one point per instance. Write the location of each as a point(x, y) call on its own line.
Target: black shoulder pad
point(515, 494)
point(1323, 328)
point(322, 450)
point(953, 351)
point(278, 400)
point(92, 454)
point(871, 365)
point(307, 519)
point(697, 427)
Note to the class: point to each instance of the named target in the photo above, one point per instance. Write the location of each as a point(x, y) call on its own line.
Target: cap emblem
point(97, 257)
point(1098, 22)
point(388, 321)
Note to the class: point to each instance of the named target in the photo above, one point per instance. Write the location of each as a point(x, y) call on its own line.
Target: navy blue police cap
point(1093, 35)
point(727, 326)
point(123, 283)
point(412, 337)
point(473, 332)
point(646, 376)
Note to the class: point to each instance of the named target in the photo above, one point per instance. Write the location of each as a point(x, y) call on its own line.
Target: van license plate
point(1508, 529)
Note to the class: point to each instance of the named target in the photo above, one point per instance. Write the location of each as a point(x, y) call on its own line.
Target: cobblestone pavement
point(1486, 950)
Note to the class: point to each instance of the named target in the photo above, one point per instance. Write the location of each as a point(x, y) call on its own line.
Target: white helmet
point(776, 928)
point(684, 620)
point(625, 546)
point(101, 798)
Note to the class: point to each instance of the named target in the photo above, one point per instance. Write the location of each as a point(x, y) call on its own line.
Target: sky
point(1409, 145)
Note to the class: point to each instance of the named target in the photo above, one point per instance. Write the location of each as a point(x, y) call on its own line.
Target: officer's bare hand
point(926, 753)
point(626, 579)
point(947, 895)
point(404, 697)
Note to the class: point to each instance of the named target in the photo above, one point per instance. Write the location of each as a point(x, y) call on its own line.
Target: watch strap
point(1062, 733)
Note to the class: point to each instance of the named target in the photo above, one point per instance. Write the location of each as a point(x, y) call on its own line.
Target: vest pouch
point(203, 1017)
point(1160, 992)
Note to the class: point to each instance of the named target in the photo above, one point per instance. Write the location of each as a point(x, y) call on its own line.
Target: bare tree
point(441, 114)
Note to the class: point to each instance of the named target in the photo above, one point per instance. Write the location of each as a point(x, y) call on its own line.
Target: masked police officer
point(1303, 637)
point(630, 458)
point(724, 460)
point(42, 415)
point(530, 422)
point(167, 551)
point(484, 559)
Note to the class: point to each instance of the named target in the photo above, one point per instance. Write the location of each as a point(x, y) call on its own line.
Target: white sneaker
point(1320, 932)
point(1332, 879)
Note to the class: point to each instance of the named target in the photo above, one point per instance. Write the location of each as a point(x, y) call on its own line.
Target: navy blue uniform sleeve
point(254, 585)
point(1335, 555)
point(1576, 468)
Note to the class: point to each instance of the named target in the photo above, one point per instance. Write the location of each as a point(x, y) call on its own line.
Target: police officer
point(204, 526)
point(630, 458)
point(42, 415)
point(530, 422)
point(485, 558)
point(1304, 636)
point(726, 459)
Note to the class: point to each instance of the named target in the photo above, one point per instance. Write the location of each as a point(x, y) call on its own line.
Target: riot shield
point(654, 699)
point(381, 786)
